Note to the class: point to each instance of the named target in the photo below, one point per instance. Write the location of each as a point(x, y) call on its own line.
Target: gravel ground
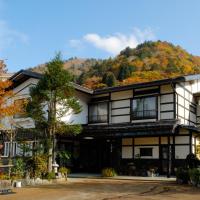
point(105, 189)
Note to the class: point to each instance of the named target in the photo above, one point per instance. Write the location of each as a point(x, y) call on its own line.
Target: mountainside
point(76, 66)
point(148, 61)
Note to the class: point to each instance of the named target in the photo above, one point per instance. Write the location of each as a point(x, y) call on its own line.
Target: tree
point(109, 79)
point(51, 99)
point(125, 71)
point(8, 108)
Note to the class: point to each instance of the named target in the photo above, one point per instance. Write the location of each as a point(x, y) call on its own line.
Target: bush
point(108, 172)
point(19, 169)
point(4, 176)
point(37, 166)
point(50, 175)
point(192, 161)
point(194, 176)
point(182, 175)
point(64, 170)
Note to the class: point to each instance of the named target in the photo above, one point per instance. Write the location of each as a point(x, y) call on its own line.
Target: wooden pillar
point(190, 141)
point(168, 157)
point(173, 155)
point(133, 148)
point(160, 161)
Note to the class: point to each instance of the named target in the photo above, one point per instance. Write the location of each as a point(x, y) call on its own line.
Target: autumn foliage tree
point(8, 107)
point(151, 60)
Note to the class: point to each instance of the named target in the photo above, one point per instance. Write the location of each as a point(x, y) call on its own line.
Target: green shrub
point(19, 169)
point(50, 175)
point(182, 175)
point(194, 176)
point(64, 170)
point(37, 166)
point(108, 172)
point(192, 161)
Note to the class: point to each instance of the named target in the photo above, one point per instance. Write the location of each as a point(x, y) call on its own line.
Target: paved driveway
point(105, 189)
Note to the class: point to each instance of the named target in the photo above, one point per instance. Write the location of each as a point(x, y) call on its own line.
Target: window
point(144, 108)
point(193, 109)
point(98, 112)
point(22, 113)
point(146, 152)
point(18, 149)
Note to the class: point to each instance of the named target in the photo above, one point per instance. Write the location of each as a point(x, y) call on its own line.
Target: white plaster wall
point(121, 111)
point(181, 151)
point(121, 103)
point(120, 119)
point(22, 91)
point(167, 107)
point(167, 98)
point(127, 152)
point(191, 87)
point(182, 140)
point(80, 118)
point(167, 115)
point(193, 149)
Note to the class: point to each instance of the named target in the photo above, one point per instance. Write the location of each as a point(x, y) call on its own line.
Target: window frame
point(16, 149)
point(143, 116)
point(146, 148)
point(90, 121)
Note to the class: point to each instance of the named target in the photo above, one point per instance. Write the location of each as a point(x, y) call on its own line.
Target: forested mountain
point(75, 65)
point(148, 61)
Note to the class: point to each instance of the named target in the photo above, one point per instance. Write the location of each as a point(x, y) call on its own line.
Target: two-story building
point(152, 124)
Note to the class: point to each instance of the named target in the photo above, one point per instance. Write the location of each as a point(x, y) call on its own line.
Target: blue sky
point(31, 31)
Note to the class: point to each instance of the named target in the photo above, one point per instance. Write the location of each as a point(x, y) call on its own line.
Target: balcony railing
point(98, 119)
point(144, 114)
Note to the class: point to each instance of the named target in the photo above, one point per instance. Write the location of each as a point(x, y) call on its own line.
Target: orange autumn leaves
point(147, 62)
point(7, 106)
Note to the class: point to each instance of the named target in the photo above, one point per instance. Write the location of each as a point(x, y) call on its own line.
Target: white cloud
point(76, 44)
point(114, 43)
point(10, 37)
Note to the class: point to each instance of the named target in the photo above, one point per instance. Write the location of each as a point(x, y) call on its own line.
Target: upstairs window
point(144, 108)
point(98, 112)
point(22, 114)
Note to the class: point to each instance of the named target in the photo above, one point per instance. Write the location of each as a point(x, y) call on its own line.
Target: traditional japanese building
point(151, 125)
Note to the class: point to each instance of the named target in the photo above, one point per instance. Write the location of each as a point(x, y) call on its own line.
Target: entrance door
point(165, 158)
point(97, 154)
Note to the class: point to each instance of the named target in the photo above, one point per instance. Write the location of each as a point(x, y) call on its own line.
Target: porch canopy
point(159, 128)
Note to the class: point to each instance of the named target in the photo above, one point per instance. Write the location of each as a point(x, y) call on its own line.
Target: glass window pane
point(146, 152)
point(102, 108)
point(150, 103)
point(137, 104)
point(144, 107)
point(93, 110)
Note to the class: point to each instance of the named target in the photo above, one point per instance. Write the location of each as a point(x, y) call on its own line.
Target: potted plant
point(64, 171)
